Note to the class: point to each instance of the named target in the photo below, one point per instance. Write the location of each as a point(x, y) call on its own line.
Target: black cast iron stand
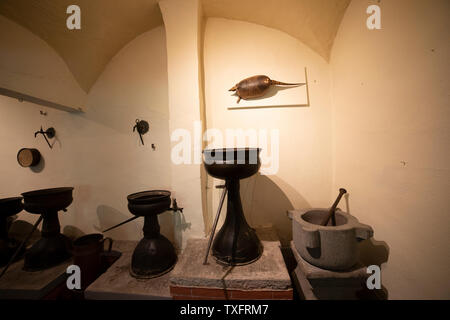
point(5, 243)
point(53, 247)
point(236, 242)
point(154, 255)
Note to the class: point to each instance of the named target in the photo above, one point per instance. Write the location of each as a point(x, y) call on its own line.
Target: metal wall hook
point(142, 127)
point(49, 133)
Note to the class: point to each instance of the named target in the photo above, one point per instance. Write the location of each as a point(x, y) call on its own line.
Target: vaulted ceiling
point(314, 22)
point(108, 25)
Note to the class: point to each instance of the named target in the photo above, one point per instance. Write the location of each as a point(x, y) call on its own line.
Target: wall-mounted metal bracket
point(49, 133)
point(142, 127)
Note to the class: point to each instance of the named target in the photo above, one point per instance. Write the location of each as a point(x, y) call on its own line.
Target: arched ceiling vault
point(108, 25)
point(314, 22)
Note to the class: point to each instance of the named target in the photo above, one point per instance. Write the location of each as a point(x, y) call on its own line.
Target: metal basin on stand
point(236, 243)
point(154, 255)
point(53, 247)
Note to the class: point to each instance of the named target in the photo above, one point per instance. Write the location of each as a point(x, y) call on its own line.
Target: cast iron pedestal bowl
point(53, 247)
point(154, 255)
point(235, 243)
point(8, 207)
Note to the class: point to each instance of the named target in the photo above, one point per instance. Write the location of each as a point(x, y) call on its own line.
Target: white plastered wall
point(391, 137)
point(96, 152)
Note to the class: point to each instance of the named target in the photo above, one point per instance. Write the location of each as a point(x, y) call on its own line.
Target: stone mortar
point(328, 247)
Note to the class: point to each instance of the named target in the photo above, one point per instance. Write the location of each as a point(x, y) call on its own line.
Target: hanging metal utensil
point(211, 237)
point(21, 245)
point(141, 127)
point(50, 133)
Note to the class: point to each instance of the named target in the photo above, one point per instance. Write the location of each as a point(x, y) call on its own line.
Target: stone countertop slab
point(267, 273)
point(19, 284)
point(117, 283)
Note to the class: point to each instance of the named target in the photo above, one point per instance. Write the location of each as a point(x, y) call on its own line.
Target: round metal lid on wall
point(27, 157)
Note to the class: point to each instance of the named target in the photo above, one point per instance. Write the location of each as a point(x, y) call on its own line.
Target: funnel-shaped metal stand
point(236, 243)
point(52, 249)
point(154, 255)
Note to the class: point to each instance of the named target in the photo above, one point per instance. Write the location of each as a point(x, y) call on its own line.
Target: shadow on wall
point(19, 230)
point(57, 141)
point(265, 204)
point(372, 252)
point(171, 225)
point(40, 166)
point(108, 217)
point(271, 91)
point(72, 232)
